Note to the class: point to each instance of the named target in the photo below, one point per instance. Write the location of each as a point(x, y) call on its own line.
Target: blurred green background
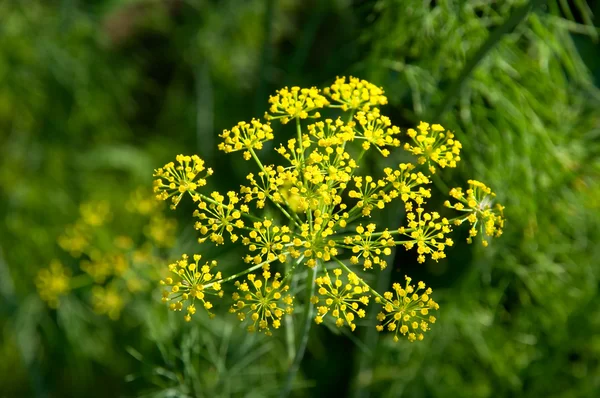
point(96, 94)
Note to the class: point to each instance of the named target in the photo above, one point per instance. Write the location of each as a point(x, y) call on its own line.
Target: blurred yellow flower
point(53, 282)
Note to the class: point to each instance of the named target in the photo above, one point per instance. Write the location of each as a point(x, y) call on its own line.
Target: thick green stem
point(290, 338)
point(307, 323)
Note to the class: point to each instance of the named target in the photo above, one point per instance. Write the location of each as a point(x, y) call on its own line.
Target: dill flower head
point(95, 213)
point(217, 217)
point(173, 180)
point(406, 310)
point(355, 94)
point(342, 300)
point(368, 246)
point(75, 239)
point(140, 202)
point(427, 231)
point(99, 266)
point(53, 282)
point(479, 209)
point(246, 136)
point(267, 242)
point(296, 102)
point(107, 301)
point(376, 130)
point(433, 145)
point(314, 206)
point(192, 282)
point(262, 301)
point(161, 230)
point(408, 185)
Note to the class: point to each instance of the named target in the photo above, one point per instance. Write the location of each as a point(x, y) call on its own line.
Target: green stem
point(307, 323)
point(301, 169)
point(290, 338)
point(300, 144)
point(289, 272)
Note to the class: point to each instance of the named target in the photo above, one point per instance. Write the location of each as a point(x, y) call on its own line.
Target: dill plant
point(323, 204)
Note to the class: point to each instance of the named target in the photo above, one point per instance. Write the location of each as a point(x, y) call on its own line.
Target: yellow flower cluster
point(377, 130)
point(110, 260)
point(341, 300)
point(192, 282)
point(107, 301)
point(216, 217)
point(431, 144)
point(427, 231)
point(296, 102)
point(102, 266)
point(355, 94)
point(314, 207)
point(328, 133)
point(173, 180)
point(368, 246)
point(479, 209)
point(404, 181)
point(95, 214)
point(53, 282)
point(246, 136)
point(267, 242)
point(406, 311)
point(75, 239)
point(263, 302)
point(161, 230)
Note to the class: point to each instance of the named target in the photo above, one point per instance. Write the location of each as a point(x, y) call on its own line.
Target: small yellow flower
point(216, 217)
point(406, 311)
point(161, 230)
point(95, 213)
point(369, 246)
point(142, 202)
point(330, 134)
point(370, 193)
point(193, 282)
point(479, 209)
point(376, 130)
point(356, 94)
point(407, 184)
point(107, 301)
point(172, 180)
point(267, 242)
point(341, 300)
point(99, 266)
point(432, 144)
point(296, 102)
point(428, 232)
point(76, 239)
point(53, 283)
point(246, 136)
point(259, 190)
point(262, 302)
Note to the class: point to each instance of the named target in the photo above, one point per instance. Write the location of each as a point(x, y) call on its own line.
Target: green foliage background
point(95, 94)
